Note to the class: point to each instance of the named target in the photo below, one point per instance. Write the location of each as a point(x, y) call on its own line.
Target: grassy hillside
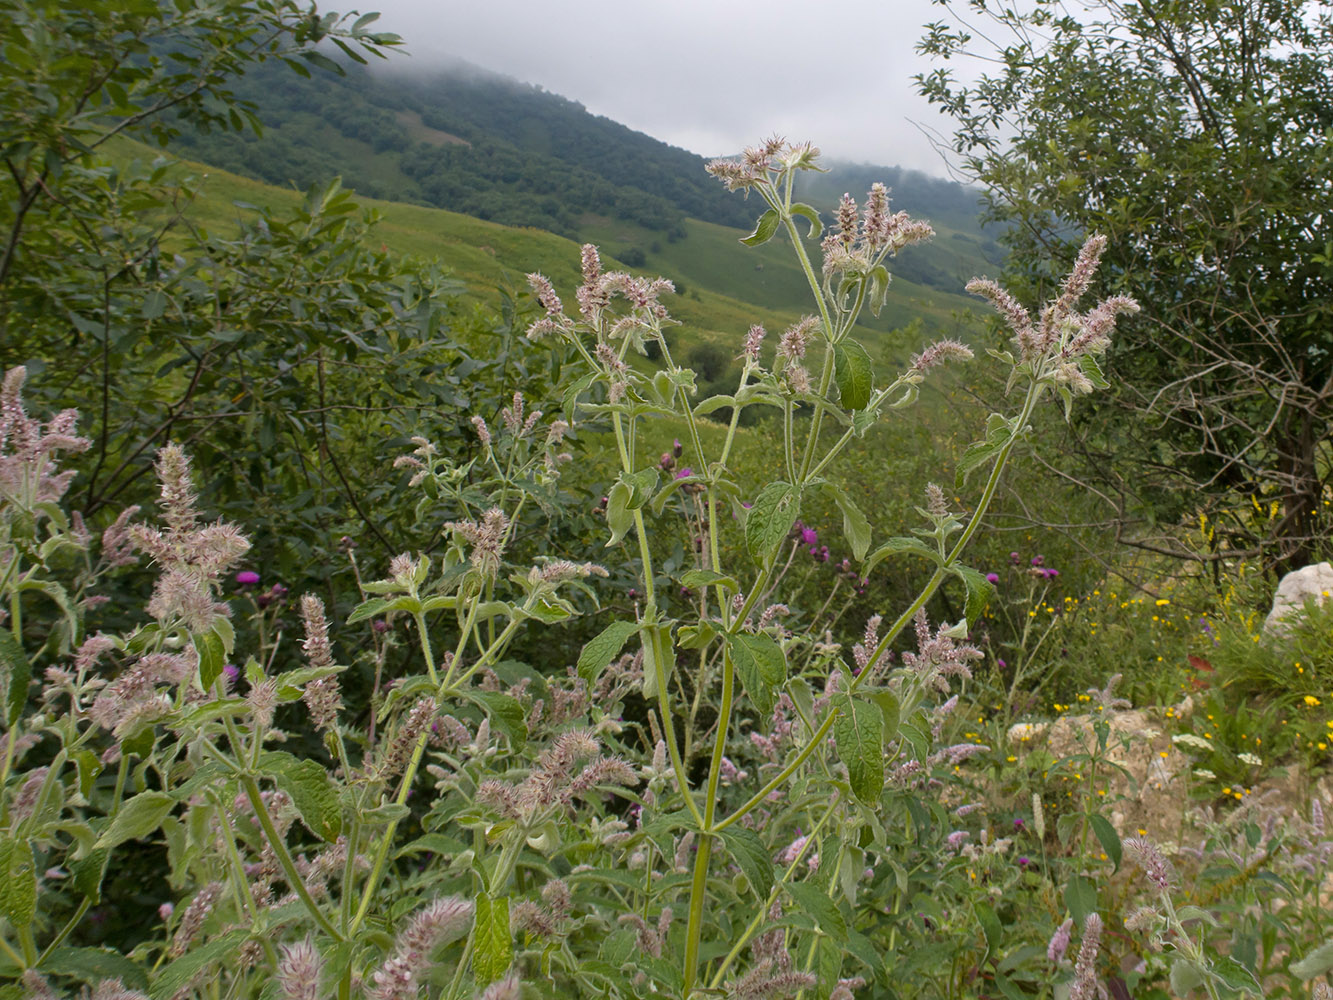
point(726, 286)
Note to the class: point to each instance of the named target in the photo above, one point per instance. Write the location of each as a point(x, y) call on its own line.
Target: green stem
point(275, 840)
point(65, 931)
point(762, 915)
point(698, 894)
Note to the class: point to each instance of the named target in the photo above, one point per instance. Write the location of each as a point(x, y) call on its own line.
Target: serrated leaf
point(212, 657)
point(752, 857)
point(808, 212)
point(855, 527)
point(762, 667)
point(980, 591)
point(1186, 975)
point(603, 648)
point(858, 731)
point(990, 927)
point(763, 229)
point(853, 373)
point(505, 713)
point(1236, 976)
point(619, 516)
point(895, 545)
point(1106, 835)
point(1080, 898)
point(887, 703)
point(976, 455)
point(813, 901)
point(18, 881)
point(178, 974)
point(642, 485)
point(87, 873)
point(707, 578)
point(770, 519)
point(15, 676)
point(311, 791)
point(492, 943)
point(138, 817)
point(1316, 963)
point(93, 965)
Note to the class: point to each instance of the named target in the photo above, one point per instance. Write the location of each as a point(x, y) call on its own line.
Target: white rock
point(1315, 581)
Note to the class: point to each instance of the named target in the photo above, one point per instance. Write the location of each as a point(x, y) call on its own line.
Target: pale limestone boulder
point(1314, 581)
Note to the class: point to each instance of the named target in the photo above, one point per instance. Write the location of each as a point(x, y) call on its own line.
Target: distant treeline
point(491, 147)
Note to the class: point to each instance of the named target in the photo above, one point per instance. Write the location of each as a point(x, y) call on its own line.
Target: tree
point(1198, 136)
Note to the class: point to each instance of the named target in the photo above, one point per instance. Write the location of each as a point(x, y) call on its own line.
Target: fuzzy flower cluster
point(487, 538)
point(595, 296)
point(758, 164)
point(192, 557)
point(856, 244)
point(28, 473)
point(400, 976)
point(557, 780)
point(323, 696)
point(773, 975)
point(938, 656)
point(1061, 336)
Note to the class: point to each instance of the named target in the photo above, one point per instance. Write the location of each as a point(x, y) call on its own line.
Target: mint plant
point(691, 809)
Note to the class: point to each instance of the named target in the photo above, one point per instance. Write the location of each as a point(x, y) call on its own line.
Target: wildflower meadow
point(535, 672)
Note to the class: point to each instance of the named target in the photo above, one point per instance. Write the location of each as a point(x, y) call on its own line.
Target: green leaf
point(752, 857)
point(642, 486)
point(889, 707)
point(603, 648)
point(858, 730)
point(180, 973)
point(88, 873)
point(492, 943)
point(619, 516)
point(980, 591)
point(212, 657)
point(137, 818)
point(707, 578)
point(855, 527)
point(93, 965)
point(1316, 963)
point(1186, 975)
point(1110, 840)
point(899, 543)
point(761, 666)
point(1236, 976)
point(808, 212)
point(853, 373)
point(990, 926)
point(976, 455)
point(15, 676)
point(770, 519)
point(1080, 898)
point(505, 713)
point(763, 229)
point(813, 901)
point(311, 791)
point(18, 881)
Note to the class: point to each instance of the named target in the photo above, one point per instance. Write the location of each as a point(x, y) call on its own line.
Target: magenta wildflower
point(992, 577)
point(247, 578)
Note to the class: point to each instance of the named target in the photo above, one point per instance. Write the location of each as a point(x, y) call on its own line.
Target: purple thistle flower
point(992, 577)
point(1050, 574)
point(685, 472)
point(247, 578)
point(1037, 560)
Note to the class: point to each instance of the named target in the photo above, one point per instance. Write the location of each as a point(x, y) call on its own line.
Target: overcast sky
point(707, 75)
